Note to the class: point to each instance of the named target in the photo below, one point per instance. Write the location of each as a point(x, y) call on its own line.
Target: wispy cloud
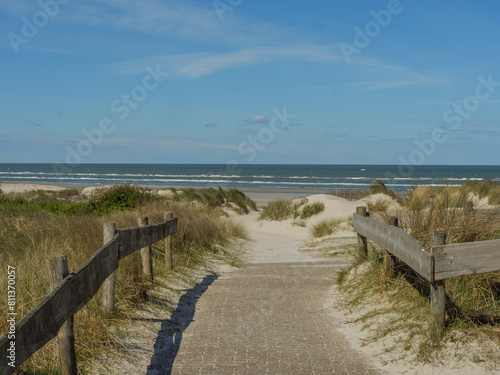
point(397, 76)
point(490, 133)
point(477, 123)
point(197, 65)
point(414, 79)
point(175, 18)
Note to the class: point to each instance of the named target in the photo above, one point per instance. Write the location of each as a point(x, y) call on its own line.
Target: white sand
point(480, 203)
point(273, 241)
point(21, 188)
point(461, 356)
point(281, 242)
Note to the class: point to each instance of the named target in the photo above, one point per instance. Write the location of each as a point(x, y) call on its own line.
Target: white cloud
point(197, 65)
point(399, 77)
point(174, 18)
point(259, 119)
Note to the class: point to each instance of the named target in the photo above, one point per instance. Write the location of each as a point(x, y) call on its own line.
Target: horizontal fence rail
point(42, 323)
point(441, 263)
point(133, 239)
point(466, 259)
point(397, 242)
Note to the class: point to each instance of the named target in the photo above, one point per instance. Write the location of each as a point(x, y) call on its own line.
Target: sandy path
point(267, 317)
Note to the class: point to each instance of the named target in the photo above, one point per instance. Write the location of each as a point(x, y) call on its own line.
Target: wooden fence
point(70, 292)
point(441, 263)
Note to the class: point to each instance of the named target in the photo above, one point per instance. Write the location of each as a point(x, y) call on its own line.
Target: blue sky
point(240, 81)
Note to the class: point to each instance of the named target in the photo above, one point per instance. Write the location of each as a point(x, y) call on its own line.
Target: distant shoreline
point(299, 179)
point(259, 195)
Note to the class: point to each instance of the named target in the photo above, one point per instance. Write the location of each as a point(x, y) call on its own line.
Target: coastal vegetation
point(280, 210)
point(423, 194)
point(36, 226)
point(326, 227)
point(216, 198)
point(403, 300)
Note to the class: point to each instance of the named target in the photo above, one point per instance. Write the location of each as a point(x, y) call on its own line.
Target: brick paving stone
point(266, 320)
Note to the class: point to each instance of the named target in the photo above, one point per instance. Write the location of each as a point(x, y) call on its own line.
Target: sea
point(302, 177)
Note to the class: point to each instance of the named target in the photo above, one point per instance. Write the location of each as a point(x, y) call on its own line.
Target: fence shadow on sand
point(170, 334)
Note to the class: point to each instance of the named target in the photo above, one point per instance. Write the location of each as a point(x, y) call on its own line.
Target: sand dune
point(21, 188)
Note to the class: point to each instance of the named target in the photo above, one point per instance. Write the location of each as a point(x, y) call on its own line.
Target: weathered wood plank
point(42, 323)
point(109, 285)
point(168, 243)
point(146, 257)
point(438, 295)
point(466, 259)
point(362, 240)
point(133, 239)
point(58, 270)
point(397, 242)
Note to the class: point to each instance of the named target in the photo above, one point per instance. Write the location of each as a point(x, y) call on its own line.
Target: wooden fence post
point(362, 241)
point(147, 260)
point(168, 243)
point(108, 287)
point(438, 295)
point(58, 270)
point(389, 259)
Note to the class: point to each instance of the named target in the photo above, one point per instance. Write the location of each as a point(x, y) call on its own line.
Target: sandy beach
point(260, 196)
point(283, 242)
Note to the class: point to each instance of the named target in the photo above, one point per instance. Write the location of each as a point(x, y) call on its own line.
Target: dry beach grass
point(38, 225)
point(387, 318)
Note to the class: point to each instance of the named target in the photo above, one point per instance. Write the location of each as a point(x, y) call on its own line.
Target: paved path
point(261, 319)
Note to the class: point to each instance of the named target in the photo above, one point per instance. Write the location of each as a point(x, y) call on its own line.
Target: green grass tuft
point(311, 209)
point(325, 227)
point(217, 198)
point(379, 187)
point(277, 210)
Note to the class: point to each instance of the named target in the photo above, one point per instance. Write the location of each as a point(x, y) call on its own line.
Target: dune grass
point(311, 209)
point(446, 209)
point(402, 308)
point(325, 227)
point(277, 210)
point(282, 210)
point(350, 194)
point(379, 187)
point(31, 234)
point(490, 189)
point(378, 206)
point(217, 198)
point(105, 200)
point(474, 301)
